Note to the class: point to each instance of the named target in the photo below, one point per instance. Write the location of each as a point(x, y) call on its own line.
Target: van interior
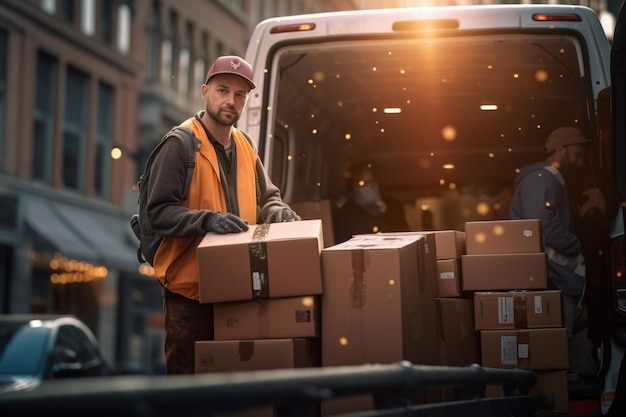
point(446, 122)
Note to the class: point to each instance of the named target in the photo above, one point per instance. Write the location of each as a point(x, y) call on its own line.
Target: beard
point(224, 119)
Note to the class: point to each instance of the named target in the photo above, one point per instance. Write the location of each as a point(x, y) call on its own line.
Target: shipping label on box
point(517, 309)
point(525, 349)
point(276, 318)
point(503, 272)
point(267, 261)
point(503, 236)
point(449, 274)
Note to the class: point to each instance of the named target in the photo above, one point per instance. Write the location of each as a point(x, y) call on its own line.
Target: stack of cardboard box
point(265, 285)
point(458, 343)
point(518, 318)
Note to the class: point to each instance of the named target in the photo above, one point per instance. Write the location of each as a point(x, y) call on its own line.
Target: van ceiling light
point(557, 17)
point(392, 110)
point(435, 24)
point(489, 107)
point(293, 28)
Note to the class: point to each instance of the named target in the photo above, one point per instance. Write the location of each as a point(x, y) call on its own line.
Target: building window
point(200, 64)
point(88, 17)
point(184, 62)
point(49, 6)
point(43, 132)
point(105, 21)
point(3, 91)
point(153, 42)
point(104, 134)
point(124, 21)
point(68, 10)
point(169, 52)
point(75, 128)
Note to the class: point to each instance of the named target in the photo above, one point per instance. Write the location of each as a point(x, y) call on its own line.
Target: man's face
point(572, 159)
point(225, 97)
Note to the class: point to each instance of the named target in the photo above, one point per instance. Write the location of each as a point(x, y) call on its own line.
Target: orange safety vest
point(176, 260)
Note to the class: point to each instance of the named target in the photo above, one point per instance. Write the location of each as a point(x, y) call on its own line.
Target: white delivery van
point(446, 103)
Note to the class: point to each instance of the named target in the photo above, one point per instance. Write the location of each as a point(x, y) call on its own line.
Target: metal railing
point(292, 392)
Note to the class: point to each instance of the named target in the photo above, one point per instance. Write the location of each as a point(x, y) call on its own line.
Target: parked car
point(36, 348)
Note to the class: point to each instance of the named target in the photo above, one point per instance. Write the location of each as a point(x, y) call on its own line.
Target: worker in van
point(362, 210)
point(541, 192)
point(230, 189)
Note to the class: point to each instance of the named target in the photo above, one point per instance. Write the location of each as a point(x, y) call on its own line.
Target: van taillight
point(293, 28)
point(557, 17)
point(618, 272)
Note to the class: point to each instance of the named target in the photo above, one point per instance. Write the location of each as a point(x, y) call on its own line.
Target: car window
point(22, 349)
point(74, 346)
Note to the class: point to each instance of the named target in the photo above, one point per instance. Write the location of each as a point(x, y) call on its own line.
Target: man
point(363, 211)
point(541, 193)
point(229, 190)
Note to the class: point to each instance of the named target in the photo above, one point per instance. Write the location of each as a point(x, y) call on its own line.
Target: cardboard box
point(276, 318)
point(267, 261)
point(449, 277)
point(254, 355)
point(322, 210)
point(459, 344)
point(503, 236)
point(377, 305)
point(536, 349)
point(517, 309)
point(450, 243)
point(516, 271)
point(549, 383)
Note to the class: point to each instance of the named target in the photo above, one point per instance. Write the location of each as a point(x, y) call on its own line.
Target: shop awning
point(82, 234)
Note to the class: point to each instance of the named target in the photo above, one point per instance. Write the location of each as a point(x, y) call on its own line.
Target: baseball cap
point(564, 136)
point(231, 64)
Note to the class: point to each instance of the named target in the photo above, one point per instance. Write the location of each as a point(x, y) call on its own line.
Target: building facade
point(78, 80)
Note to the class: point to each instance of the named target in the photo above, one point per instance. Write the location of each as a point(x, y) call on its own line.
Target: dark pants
point(186, 321)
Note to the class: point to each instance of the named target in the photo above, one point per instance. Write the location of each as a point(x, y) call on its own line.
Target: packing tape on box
point(520, 311)
point(358, 289)
point(259, 271)
point(246, 350)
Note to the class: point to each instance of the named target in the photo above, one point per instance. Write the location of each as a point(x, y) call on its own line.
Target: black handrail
point(292, 392)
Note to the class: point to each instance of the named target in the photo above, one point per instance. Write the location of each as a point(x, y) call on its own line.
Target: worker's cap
point(231, 65)
point(564, 136)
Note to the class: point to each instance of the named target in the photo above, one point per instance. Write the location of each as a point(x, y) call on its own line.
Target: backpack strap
point(187, 137)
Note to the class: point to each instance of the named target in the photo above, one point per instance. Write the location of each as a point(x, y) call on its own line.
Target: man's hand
point(596, 199)
point(283, 215)
point(223, 223)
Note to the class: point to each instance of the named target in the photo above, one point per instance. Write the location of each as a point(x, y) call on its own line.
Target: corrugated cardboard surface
point(276, 318)
point(449, 277)
point(516, 271)
point(267, 261)
point(311, 210)
point(517, 309)
point(536, 349)
point(450, 243)
point(253, 355)
point(377, 306)
point(503, 236)
point(549, 383)
point(459, 344)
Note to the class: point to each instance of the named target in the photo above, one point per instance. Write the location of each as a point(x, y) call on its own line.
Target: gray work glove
point(224, 223)
point(284, 214)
